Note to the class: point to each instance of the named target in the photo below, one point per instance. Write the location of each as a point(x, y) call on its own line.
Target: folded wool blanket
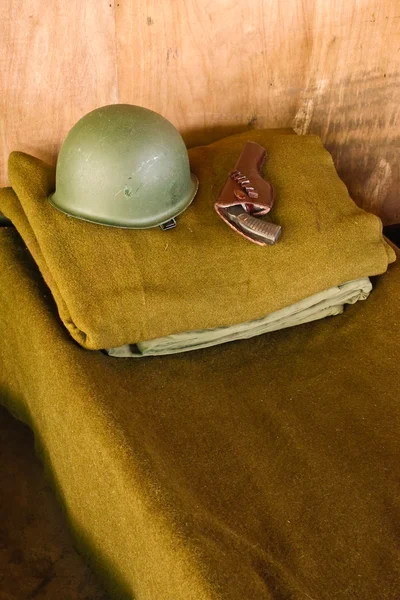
point(265, 469)
point(115, 287)
point(325, 304)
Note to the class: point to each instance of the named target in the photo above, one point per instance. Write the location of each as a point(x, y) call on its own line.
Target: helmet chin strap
point(171, 224)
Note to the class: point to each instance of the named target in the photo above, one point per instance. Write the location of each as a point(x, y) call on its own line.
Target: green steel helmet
point(124, 166)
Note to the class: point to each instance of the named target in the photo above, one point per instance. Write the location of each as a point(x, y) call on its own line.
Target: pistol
point(247, 196)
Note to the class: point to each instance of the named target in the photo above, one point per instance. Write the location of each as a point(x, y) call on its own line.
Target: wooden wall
point(213, 67)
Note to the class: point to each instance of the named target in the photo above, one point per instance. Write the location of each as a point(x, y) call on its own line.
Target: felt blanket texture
point(264, 469)
point(37, 556)
point(318, 306)
point(114, 286)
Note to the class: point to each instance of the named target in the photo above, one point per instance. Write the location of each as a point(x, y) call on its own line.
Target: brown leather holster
point(246, 188)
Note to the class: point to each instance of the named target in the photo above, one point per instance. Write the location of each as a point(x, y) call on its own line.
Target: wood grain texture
point(57, 62)
point(330, 67)
point(212, 66)
point(351, 97)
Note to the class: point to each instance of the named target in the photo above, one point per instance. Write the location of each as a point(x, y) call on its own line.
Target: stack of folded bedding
point(149, 292)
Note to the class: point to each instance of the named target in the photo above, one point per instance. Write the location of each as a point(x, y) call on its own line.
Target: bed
point(261, 469)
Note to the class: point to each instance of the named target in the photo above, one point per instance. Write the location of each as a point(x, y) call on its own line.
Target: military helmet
point(124, 166)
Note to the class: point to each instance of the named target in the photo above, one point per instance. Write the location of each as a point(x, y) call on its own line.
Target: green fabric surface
point(318, 306)
point(37, 557)
point(262, 469)
point(115, 287)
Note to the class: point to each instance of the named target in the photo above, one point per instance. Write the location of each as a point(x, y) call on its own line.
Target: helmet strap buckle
point(171, 224)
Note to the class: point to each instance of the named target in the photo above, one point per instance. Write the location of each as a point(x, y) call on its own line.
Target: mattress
point(261, 469)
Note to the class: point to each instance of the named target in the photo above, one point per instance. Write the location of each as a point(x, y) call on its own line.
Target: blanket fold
point(259, 470)
point(116, 287)
point(318, 306)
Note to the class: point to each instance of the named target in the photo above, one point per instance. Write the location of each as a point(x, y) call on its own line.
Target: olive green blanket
point(119, 287)
point(328, 303)
point(264, 469)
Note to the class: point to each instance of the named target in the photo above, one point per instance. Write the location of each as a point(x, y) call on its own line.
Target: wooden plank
point(211, 67)
point(328, 67)
point(57, 62)
point(351, 97)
